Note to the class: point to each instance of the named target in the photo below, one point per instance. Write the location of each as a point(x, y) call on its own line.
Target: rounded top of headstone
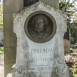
point(40, 26)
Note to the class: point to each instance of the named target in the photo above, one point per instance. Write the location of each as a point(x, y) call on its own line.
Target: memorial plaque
point(40, 49)
point(40, 27)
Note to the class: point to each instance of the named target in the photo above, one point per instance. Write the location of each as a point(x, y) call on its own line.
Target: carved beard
point(39, 30)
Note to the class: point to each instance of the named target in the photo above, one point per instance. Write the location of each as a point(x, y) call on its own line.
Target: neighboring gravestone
point(40, 46)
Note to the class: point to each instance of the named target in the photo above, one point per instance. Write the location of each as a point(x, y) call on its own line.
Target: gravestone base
point(58, 71)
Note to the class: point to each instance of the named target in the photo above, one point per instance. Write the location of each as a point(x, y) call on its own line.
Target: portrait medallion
point(40, 27)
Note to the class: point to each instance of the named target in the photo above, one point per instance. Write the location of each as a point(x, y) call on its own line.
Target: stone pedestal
point(40, 47)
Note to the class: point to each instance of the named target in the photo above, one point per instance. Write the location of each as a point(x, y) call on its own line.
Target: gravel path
point(2, 65)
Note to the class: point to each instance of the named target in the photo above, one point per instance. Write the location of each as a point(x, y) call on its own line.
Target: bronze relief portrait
point(39, 27)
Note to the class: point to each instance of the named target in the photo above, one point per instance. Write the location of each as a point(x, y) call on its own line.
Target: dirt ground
point(2, 65)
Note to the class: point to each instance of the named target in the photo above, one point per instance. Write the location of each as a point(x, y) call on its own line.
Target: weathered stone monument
point(39, 30)
point(10, 7)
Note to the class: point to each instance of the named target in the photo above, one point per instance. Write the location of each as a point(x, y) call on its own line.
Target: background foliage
point(1, 16)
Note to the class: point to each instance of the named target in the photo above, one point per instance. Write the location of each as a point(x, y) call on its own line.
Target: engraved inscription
point(41, 50)
point(40, 58)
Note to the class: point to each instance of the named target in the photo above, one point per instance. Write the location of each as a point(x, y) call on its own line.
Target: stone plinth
point(38, 56)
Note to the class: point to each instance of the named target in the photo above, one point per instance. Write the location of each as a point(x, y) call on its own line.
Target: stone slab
point(7, 19)
point(9, 58)
point(9, 35)
point(11, 6)
point(52, 3)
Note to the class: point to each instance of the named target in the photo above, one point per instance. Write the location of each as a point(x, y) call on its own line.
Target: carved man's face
point(39, 26)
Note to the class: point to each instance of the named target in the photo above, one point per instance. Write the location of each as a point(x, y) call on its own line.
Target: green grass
point(1, 25)
point(1, 50)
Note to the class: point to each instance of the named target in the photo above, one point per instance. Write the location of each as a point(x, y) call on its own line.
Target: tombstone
point(39, 30)
point(10, 40)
